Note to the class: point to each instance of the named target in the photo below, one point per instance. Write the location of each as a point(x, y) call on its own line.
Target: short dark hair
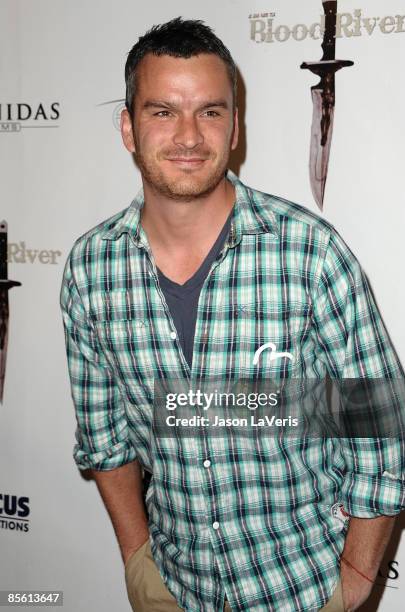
point(177, 38)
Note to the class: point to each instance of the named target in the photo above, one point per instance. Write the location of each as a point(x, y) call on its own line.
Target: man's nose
point(188, 133)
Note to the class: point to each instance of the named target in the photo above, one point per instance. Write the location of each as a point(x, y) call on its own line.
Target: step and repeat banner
point(64, 169)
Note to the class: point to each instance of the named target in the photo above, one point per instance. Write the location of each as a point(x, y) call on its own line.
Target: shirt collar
point(252, 215)
point(128, 223)
point(252, 212)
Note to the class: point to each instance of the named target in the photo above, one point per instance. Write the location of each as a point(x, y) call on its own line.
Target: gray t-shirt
point(182, 300)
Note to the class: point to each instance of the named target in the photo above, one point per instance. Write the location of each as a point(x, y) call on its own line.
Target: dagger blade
point(3, 339)
point(5, 285)
point(319, 153)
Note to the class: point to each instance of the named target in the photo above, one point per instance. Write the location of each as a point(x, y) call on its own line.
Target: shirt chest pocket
point(270, 340)
point(128, 329)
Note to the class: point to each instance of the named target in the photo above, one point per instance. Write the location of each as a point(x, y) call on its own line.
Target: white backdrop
point(64, 169)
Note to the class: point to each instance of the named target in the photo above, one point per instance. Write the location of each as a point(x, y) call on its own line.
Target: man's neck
point(181, 233)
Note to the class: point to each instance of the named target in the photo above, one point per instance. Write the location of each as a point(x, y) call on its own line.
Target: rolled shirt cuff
point(106, 459)
point(369, 495)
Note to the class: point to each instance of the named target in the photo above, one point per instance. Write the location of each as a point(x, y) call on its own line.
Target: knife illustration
point(323, 99)
point(5, 285)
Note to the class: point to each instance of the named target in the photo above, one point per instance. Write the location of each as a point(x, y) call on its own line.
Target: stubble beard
point(189, 187)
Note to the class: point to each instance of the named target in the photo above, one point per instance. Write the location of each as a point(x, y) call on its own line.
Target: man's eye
point(163, 113)
point(211, 113)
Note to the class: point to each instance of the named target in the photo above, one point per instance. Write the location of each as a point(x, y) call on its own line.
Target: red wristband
point(356, 570)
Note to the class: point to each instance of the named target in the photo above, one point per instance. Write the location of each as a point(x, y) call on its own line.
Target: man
point(197, 275)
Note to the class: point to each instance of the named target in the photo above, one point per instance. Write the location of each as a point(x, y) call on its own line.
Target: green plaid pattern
point(253, 517)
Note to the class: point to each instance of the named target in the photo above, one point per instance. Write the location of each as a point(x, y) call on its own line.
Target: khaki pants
point(148, 593)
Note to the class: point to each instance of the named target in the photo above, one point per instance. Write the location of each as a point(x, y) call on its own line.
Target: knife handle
point(329, 37)
point(3, 249)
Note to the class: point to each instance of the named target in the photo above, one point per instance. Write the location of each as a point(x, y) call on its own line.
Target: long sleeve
point(354, 344)
point(102, 433)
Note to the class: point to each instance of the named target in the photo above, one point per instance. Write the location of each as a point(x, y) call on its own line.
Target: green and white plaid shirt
point(253, 518)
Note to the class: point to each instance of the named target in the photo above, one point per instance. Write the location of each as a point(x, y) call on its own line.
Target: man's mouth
point(187, 160)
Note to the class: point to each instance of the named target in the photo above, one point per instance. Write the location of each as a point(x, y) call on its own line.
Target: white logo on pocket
point(273, 354)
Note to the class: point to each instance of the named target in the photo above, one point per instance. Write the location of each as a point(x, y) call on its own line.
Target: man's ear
point(235, 134)
point(127, 132)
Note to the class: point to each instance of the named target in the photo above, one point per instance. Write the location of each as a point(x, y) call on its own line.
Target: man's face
point(184, 125)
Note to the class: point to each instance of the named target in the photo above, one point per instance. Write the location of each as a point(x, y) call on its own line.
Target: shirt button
point(207, 463)
point(215, 525)
point(173, 335)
